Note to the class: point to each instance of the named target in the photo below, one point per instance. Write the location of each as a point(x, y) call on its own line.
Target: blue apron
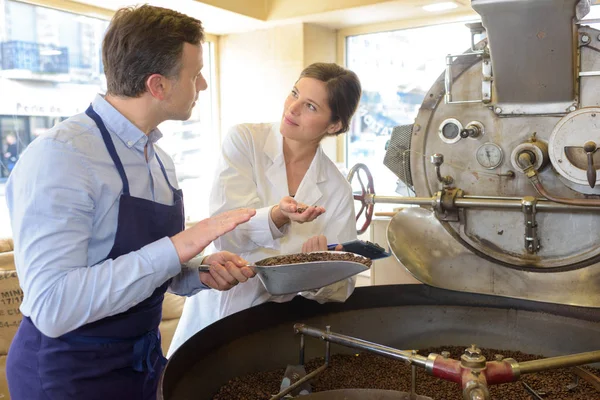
point(118, 357)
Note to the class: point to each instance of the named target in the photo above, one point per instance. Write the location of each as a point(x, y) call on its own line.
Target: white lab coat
point(252, 173)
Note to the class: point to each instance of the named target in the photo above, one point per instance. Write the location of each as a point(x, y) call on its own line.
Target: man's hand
point(287, 210)
point(192, 241)
point(318, 243)
point(227, 270)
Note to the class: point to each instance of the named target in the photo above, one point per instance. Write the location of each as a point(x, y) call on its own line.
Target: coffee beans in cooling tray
point(370, 371)
point(310, 257)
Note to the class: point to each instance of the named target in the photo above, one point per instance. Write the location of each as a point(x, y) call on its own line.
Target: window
point(50, 63)
point(396, 70)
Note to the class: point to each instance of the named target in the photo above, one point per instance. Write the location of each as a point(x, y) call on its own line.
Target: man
point(10, 155)
point(98, 224)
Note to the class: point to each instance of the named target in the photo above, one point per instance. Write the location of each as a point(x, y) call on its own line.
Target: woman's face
point(306, 113)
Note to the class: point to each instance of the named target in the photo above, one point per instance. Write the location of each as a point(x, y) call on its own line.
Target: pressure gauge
point(489, 155)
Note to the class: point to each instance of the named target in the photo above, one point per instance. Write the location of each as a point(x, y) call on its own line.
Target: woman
point(279, 169)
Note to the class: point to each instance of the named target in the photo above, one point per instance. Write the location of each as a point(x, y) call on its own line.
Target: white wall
point(258, 69)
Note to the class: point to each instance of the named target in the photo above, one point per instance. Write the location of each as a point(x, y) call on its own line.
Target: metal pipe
point(301, 357)
point(327, 347)
point(292, 387)
point(349, 341)
point(537, 184)
point(505, 203)
point(529, 367)
point(532, 392)
point(413, 378)
point(588, 21)
point(448, 80)
point(417, 201)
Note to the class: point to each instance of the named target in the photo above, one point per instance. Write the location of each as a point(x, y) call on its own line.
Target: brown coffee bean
point(370, 371)
point(324, 256)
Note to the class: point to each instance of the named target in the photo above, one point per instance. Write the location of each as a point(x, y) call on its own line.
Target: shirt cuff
point(190, 279)
point(277, 234)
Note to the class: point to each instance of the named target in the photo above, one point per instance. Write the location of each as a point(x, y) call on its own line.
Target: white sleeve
point(235, 187)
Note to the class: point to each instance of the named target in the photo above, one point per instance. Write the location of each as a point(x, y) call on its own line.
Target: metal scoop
point(297, 277)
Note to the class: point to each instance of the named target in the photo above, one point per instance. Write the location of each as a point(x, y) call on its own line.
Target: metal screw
point(498, 357)
point(445, 354)
point(559, 160)
point(497, 110)
point(572, 108)
point(585, 38)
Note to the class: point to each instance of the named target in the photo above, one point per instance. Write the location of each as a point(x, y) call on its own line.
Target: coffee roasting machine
point(504, 228)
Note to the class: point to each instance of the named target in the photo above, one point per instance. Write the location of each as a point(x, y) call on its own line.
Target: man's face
point(186, 86)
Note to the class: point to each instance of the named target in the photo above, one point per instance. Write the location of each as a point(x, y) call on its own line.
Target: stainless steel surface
point(356, 343)
point(294, 278)
point(363, 394)
point(297, 277)
point(573, 131)
point(435, 257)
point(524, 35)
point(486, 88)
point(529, 102)
point(532, 241)
point(400, 316)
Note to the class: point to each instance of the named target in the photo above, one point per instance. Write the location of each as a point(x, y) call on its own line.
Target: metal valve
point(473, 130)
point(437, 159)
point(590, 148)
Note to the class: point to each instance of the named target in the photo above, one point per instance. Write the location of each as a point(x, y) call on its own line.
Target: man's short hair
point(142, 41)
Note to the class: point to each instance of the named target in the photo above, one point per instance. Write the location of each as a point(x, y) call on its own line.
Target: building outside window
point(51, 68)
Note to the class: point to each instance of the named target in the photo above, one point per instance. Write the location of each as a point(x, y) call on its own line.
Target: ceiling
point(238, 16)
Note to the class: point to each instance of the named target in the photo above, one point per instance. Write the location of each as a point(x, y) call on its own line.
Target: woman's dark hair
point(343, 90)
point(142, 41)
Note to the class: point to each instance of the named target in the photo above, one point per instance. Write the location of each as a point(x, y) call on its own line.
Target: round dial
point(489, 155)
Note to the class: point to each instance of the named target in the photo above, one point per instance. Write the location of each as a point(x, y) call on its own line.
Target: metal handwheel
point(366, 195)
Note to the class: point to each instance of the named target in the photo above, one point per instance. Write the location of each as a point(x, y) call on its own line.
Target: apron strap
point(142, 352)
point(164, 171)
point(110, 146)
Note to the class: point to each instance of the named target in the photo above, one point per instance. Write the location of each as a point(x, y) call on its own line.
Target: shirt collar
point(120, 126)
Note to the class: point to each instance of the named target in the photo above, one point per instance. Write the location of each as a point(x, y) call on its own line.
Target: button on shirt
point(63, 200)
